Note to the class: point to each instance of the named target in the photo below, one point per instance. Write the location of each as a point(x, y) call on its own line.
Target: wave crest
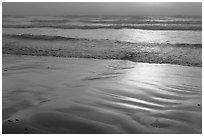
point(42, 37)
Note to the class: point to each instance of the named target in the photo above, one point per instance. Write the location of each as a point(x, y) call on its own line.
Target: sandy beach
point(92, 68)
point(79, 95)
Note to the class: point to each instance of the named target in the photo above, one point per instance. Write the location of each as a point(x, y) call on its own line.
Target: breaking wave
point(61, 38)
point(42, 37)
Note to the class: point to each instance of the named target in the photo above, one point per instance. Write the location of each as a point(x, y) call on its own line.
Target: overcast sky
point(96, 8)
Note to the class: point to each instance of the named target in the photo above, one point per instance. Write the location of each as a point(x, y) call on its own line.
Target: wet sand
point(78, 95)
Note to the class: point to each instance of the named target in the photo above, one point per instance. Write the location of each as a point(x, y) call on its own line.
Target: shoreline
point(95, 59)
point(99, 59)
point(178, 54)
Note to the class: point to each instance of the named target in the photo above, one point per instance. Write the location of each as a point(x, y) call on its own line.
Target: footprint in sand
point(158, 124)
point(17, 120)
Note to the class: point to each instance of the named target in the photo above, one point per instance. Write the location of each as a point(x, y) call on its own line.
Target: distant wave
point(118, 22)
point(50, 21)
point(167, 22)
point(112, 26)
point(42, 37)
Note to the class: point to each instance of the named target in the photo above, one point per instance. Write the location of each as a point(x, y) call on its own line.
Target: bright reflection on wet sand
point(55, 95)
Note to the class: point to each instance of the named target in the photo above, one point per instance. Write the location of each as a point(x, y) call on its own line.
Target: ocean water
point(135, 29)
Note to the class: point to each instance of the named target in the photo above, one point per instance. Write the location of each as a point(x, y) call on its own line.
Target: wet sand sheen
point(72, 95)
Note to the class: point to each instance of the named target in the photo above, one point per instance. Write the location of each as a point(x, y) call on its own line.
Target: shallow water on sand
point(71, 95)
